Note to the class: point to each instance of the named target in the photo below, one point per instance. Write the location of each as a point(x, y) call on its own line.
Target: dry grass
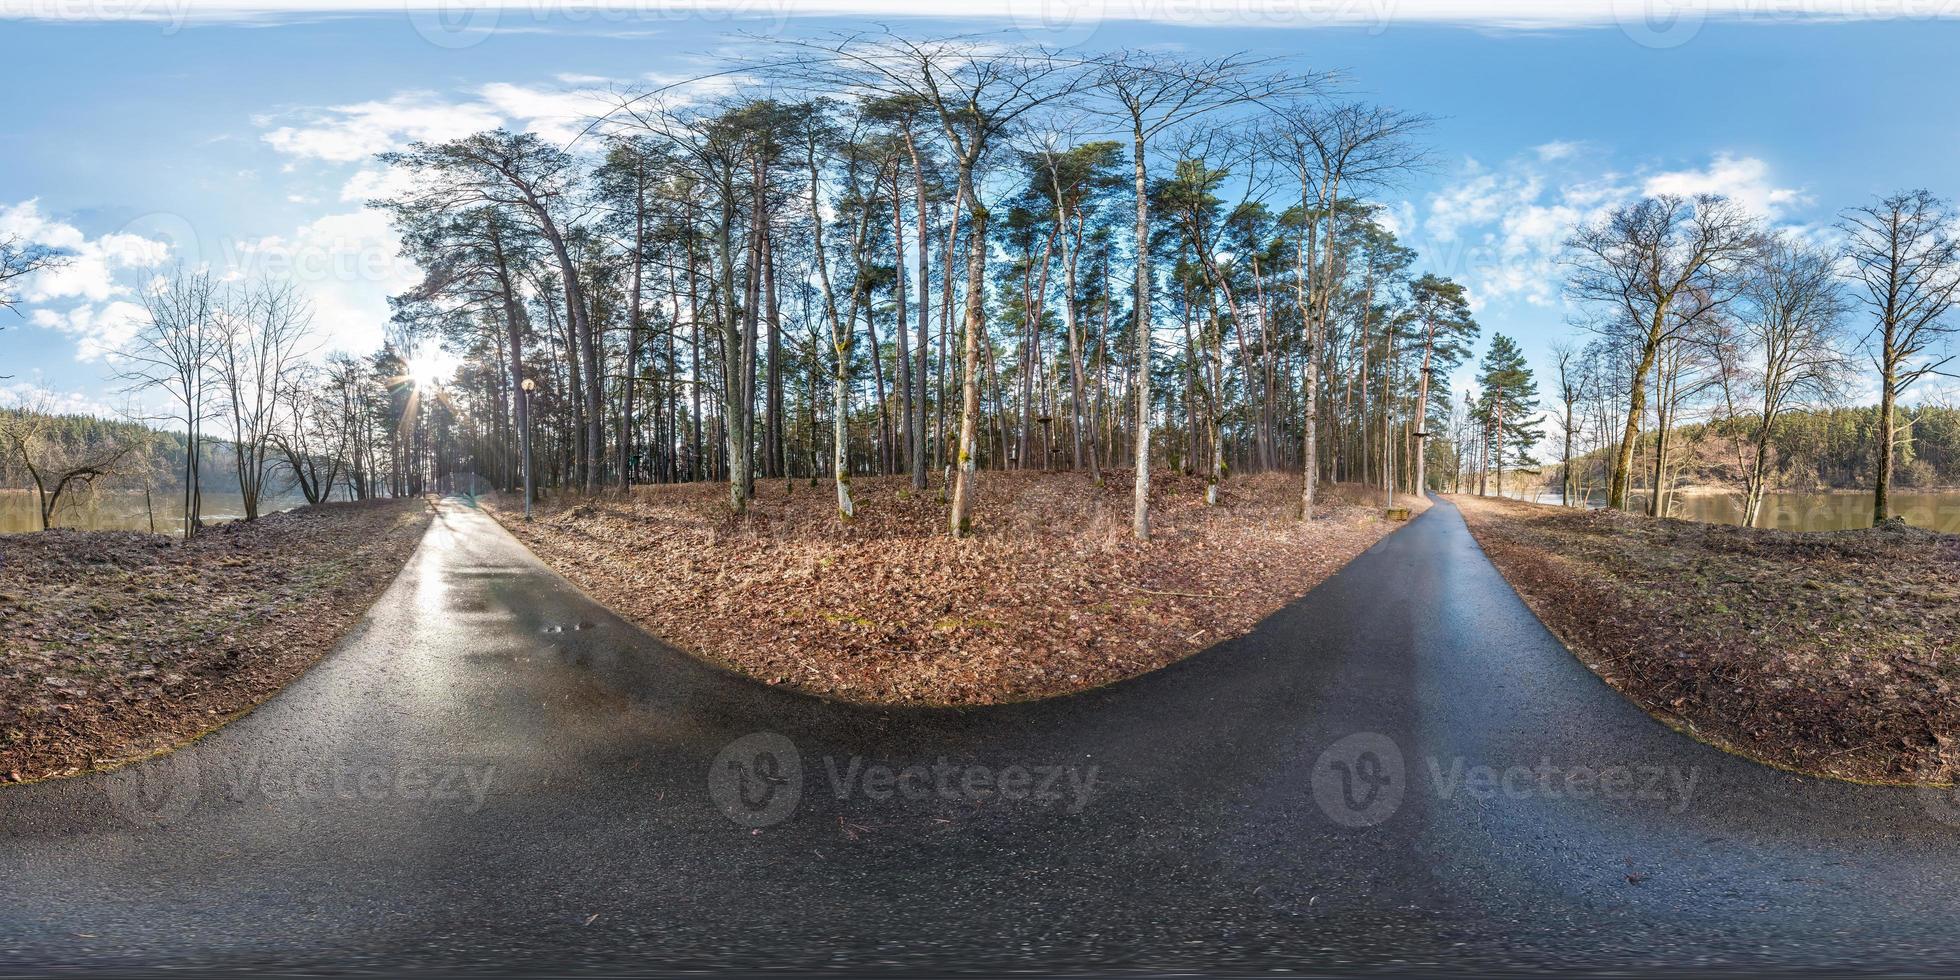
point(1835, 653)
point(1050, 595)
point(120, 644)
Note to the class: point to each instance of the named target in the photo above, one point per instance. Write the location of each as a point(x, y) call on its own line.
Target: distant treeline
point(1828, 449)
point(155, 460)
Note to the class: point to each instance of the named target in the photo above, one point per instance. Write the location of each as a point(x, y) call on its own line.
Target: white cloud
point(1641, 20)
point(1478, 200)
point(372, 182)
point(356, 132)
point(24, 394)
point(1745, 180)
point(93, 276)
point(1502, 232)
point(89, 269)
point(557, 116)
point(1557, 150)
point(347, 264)
point(348, 133)
point(1399, 218)
point(99, 330)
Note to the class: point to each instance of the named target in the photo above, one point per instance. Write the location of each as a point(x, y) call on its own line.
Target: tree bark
point(1140, 317)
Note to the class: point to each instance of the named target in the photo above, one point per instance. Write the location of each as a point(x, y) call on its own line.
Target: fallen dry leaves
point(117, 644)
point(1835, 653)
point(1051, 593)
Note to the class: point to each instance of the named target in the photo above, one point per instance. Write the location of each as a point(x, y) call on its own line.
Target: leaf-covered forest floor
point(116, 645)
point(1051, 594)
point(1834, 653)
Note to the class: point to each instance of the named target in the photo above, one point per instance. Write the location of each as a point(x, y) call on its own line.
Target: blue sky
point(241, 137)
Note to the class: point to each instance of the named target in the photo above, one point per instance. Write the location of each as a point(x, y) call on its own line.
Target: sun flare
point(431, 366)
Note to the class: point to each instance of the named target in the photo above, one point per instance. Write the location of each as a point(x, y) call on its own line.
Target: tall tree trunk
point(1071, 250)
point(1420, 464)
point(961, 517)
point(735, 433)
point(1388, 414)
point(1621, 481)
point(1497, 442)
point(918, 423)
point(774, 462)
point(1888, 434)
point(945, 332)
point(630, 377)
point(696, 454)
point(1140, 317)
point(904, 347)
point(513, 325)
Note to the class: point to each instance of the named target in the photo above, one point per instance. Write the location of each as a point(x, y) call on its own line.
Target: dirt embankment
point(118, 644)
point(1834, 653)
point(1051, 594)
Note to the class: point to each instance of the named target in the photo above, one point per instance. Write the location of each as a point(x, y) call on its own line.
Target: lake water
point(20, 511)
point(1808, 511)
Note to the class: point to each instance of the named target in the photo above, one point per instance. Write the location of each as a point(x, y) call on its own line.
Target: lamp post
point(530, 388)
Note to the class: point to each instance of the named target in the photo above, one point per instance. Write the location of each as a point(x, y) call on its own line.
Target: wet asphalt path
point(1403, 770)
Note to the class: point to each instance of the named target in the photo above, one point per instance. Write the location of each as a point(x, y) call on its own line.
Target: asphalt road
point(1401, 771)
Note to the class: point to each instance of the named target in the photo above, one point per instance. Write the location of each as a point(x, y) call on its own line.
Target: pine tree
point(1507, 407)
point(1445, 328)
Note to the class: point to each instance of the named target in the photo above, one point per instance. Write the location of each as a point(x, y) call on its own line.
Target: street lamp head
point(530, 386)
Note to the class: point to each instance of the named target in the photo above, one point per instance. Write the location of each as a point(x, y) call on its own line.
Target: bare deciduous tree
point(977, 91)
point(1784, 348)
point(20, 259)
point(1149, 93)
point(173, 353)
point(1332, 150)
point(1662, 266)
point(1906, 262)
point(261, 344)
point(52, 465)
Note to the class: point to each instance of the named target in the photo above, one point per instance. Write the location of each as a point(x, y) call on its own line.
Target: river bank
point(1837, 509)
point(128, 510)
point(1832, 653)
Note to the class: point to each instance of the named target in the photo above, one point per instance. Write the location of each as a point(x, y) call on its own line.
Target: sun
point(431, 366)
